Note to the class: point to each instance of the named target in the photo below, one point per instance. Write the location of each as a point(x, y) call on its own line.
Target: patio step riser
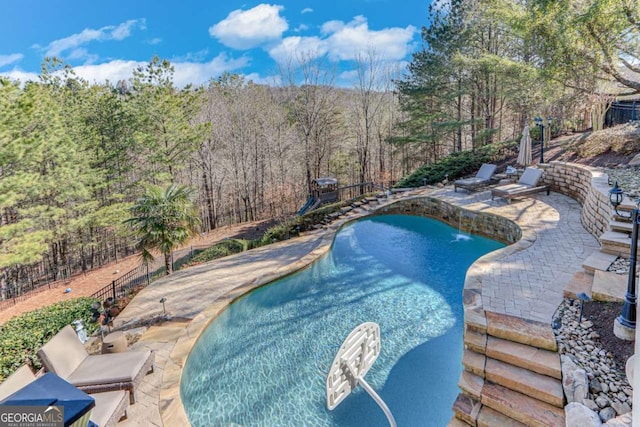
point(539, 361)
point(491, 418)
point(580, 283)
point(519, 330)
point(467, 409)
point(615, 243)
point(531, 384)
point(522, 408)
point(598, 261)
point(621, 227)
point(621, 218)
point(472, 412)
point(475, 341)
point(455, 422)
point(512, 375)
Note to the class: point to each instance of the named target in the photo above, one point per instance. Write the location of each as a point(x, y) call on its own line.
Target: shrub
point(219, 250)
point(277, 233)
point(22, 336)
point(458, 164)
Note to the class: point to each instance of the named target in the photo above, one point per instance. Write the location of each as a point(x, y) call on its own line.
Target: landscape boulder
point(578, 415)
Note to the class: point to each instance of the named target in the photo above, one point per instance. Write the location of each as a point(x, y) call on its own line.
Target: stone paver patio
point(527, 283)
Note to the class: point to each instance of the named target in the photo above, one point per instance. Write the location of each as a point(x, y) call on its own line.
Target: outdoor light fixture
point(628, 316)
point(539, 121)
point(582, 297)
point(163, 300)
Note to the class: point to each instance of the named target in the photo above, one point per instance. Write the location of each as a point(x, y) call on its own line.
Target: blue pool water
point(259, 362)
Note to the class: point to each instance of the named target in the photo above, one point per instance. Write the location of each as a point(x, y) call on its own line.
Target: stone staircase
point(511, 376)
point(617, 240)
point(512, 371)
point(595, 281)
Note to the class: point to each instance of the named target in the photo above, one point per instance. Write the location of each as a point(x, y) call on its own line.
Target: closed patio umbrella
point(524, 155)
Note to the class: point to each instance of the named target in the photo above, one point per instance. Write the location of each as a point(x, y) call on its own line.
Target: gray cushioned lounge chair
point(527, 184)
point(65, 356)
point(111, 406)
point(483, 177)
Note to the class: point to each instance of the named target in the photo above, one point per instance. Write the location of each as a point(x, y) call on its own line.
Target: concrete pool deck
point(527, 283)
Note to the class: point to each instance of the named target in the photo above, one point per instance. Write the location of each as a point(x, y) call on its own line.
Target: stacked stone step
point(615, 243)
point(621, 226)
point(608, 286)
point(617, 240)
point(512, 375)
point(596, 282)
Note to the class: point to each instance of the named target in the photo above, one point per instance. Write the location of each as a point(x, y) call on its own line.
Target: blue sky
point(203, 38)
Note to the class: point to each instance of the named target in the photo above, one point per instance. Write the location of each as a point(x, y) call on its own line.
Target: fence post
point(148, 278)
point(113, 288)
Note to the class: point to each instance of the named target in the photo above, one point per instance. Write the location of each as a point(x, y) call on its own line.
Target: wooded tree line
point(487, 67)
point(74, 156)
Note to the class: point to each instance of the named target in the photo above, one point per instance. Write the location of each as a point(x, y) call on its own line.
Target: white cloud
point(246, 29)
point(10, 59)
point(345, 41)
point(186, 72)
point(110, 32)
point(198, 56)
point(292, 47)
point(154, 41)
point(274, 80)
point(22, 76)
point(350, 77)
point(113, 71)
point(199, 73)
point(82, 54)
point(306, 10)
point(123, 30)
point(301, 28)
point(334, 26)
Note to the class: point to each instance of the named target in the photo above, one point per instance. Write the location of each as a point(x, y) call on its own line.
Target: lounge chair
point(110, 407)
point(65, 356)
point(483, 177)
point(20, 378)
point(526, 185)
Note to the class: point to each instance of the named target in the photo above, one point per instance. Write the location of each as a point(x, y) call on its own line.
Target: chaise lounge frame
point(110, 407)
point(526, 185)
point(483, 177)
point(65, 356)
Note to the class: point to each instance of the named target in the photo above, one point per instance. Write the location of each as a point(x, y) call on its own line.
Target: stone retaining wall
point(484, 224)
point(588, 186)
point(585, 184)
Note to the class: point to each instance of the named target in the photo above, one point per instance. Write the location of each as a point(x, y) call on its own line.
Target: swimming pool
point(259, 363)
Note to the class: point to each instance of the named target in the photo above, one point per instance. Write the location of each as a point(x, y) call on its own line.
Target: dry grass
point(622, 139)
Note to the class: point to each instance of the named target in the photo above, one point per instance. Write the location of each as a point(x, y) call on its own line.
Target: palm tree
point(163, 219)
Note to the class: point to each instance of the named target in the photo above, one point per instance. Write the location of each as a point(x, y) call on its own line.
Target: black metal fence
point(139, 276)
point(622, 112)
point(14, 299)
point(24, 280)
point(352, 191)
point(142, 276)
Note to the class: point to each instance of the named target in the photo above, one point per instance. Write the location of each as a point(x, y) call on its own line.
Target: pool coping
point(170, 405)
point(170, 402)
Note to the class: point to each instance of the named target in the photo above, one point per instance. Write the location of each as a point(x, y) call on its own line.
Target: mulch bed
point(603, 314)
